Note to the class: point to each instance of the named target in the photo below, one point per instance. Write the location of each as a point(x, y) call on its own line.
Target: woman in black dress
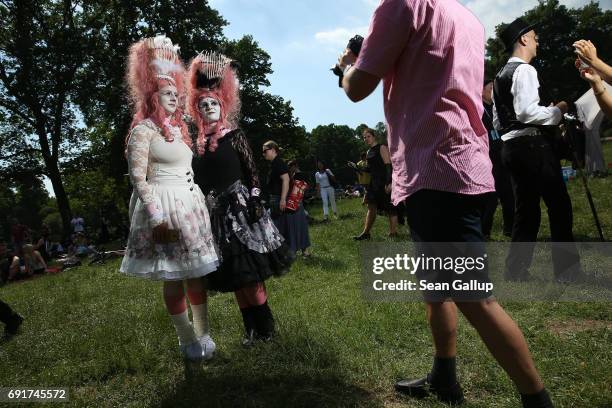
point(378, 194)
point(297, 236)
point(250, 247)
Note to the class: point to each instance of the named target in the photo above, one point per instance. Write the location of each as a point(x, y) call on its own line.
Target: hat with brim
point(514, 31)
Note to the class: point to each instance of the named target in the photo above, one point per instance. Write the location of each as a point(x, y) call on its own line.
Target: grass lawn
point(109, 340)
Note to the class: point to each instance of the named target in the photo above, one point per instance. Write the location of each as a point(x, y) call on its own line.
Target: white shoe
point(208, 347)
point(192, 351)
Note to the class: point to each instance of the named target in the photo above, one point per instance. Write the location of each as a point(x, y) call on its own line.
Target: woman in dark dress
point(297, 223)
point(250, 247)
point(378, 194)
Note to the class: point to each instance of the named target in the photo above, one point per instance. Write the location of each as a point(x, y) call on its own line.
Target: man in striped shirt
point(430, 56)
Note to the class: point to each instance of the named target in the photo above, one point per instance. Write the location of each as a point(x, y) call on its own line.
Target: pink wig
point(212, 75)
point(150, 68)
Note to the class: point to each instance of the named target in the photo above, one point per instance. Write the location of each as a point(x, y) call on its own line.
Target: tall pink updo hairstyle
point(152, 64)
point(213, 75)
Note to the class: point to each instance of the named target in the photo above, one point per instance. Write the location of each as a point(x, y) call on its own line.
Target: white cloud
point(339, 37)
point(371, 3)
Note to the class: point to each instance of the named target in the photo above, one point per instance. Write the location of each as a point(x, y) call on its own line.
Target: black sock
point(264, 320)
point(248, 318)
point(538, 400)
point(444, 371)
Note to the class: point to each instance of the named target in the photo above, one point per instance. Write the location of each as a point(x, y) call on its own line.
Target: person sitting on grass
point(34, 262)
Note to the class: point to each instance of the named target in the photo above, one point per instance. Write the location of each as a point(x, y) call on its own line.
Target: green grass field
point(108, 338)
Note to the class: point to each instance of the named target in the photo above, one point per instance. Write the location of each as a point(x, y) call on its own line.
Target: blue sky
point(304, 39)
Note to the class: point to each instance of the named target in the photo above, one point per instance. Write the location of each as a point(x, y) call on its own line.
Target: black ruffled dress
point(250, 248)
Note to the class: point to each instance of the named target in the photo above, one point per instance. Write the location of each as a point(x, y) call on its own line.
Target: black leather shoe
point(363, 236)
point(421, 387)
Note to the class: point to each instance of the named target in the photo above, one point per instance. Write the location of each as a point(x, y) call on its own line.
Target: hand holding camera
point(348, 57)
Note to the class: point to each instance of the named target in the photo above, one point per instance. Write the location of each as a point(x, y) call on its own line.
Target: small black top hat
point(514, 31)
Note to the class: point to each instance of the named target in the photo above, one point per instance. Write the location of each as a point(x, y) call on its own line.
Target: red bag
point(296, 195)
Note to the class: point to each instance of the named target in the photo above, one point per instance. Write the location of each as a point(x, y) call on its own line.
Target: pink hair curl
point(144, 85)
point(226, 93)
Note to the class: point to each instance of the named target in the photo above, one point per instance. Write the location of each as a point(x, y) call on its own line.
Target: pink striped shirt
point(430, 55)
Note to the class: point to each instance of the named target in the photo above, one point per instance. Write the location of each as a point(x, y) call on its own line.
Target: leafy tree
point(335, 145)
point(63, 105)
point(41, 48)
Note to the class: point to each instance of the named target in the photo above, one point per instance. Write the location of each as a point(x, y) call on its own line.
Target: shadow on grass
point(293, 372)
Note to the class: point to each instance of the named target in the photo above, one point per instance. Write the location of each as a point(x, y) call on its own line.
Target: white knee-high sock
point(200, 319)
point(183, 327)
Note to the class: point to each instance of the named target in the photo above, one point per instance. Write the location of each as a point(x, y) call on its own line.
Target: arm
point(527, 100)
point(241, 145)
point(496, 124)
point(604, 99)
point(284, 191)
point(358, 84)
point(40, 258)
point(384, 153)
point(390, 29)
point(138, 161)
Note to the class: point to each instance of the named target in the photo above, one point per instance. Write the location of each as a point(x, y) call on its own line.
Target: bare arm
point(604, 98)
point(358, 84)
point(40, 259)
point(384, 153)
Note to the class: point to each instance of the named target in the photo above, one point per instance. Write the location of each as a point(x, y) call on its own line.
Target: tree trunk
point(60, 195)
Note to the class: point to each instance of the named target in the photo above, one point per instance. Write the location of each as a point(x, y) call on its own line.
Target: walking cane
point(592, 205)
point(571, 123)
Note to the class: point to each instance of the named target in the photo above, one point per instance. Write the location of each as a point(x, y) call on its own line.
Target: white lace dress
point(164, 190)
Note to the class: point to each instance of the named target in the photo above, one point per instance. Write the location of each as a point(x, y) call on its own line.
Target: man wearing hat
point(529, 156)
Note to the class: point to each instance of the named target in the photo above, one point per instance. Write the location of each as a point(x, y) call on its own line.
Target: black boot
point(264, 322)
point(248, 318)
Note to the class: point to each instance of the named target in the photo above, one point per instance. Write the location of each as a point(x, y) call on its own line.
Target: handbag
point(296, 195)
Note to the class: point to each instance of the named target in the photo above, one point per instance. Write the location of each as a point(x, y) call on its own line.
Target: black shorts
point(447, 233)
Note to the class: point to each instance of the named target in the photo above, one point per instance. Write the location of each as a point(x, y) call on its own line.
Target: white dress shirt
point(526, 102)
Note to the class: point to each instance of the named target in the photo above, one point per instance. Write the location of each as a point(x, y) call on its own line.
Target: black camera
point(354, 45)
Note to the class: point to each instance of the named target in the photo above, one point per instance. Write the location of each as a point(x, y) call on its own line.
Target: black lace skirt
point(250, 251)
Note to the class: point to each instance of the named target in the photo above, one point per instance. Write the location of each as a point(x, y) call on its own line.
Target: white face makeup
point(210, 109)
point(168, 98)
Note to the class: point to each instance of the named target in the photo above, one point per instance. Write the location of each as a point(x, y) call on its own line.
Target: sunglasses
point(265, 150)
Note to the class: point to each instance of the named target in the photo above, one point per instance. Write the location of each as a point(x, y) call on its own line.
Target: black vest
point(504, 100)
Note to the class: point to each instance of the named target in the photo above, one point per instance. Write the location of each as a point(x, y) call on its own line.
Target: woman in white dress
point(170, 234)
